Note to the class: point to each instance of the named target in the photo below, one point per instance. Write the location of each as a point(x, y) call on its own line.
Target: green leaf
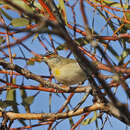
point(24, 95)
point(90, 120)
point(71, 121)
point(124, 54)
point(37, 59)
point(81, 41)
point(19, 22)
point(10, 95)
point(20, 3)
point(30, 99)
point(30, 62)
point(2, 40)
point(114, 53)
point(37, 5)
point(128, 18)
point(7, 103)
point(35, 37)
point(5, 14)
point(111, 3)
point(63, 10)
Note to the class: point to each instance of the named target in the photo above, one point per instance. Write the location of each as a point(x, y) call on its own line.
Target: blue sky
point(42, 100)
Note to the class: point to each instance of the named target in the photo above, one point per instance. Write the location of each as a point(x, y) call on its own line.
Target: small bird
point(66, 71)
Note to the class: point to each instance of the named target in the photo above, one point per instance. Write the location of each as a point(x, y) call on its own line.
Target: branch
point(109, 108)
point(67, 89)
point(43, 82)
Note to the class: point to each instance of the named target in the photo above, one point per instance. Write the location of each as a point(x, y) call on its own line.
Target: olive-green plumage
point(66, 71)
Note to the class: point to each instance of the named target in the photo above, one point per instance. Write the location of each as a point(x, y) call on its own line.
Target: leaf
point(63, 10)
point(128, 18)
point(24, 95)
point(37, 5)
point(7, 103)
point(10, 95)
point(19, 22)
point(5, 14)
point(30, 62)
point(29, 100)
point(35, 37)
point(124, 54)
point(2, 40)
point(20, 3)
point(90, 120)
point(111, 3)
point(81, 41)
point(113, 52)
point(71, 121)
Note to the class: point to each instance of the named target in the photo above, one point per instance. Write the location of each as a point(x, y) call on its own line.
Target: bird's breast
point(69, 74)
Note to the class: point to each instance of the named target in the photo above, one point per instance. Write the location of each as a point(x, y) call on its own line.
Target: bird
point(65, 70)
